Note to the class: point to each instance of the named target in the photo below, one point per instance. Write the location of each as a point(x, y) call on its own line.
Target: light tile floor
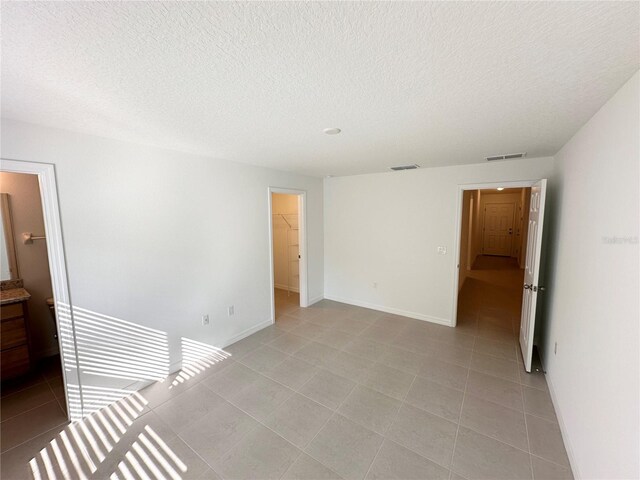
point(332, 391)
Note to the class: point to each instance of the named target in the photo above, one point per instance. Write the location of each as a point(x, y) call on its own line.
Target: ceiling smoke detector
point(508, 156)
point(405, 167)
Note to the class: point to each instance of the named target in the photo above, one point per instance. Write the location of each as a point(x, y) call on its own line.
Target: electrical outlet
point(231, 310)
point(205, 319)
point(555, 348)
point(442, 250)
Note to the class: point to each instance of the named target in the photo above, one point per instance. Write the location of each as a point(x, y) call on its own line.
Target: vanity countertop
point(13, 295)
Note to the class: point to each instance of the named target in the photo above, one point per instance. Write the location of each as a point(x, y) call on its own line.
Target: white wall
point(151, 236)
point(385, 228)
point(33, 262)
point(285, 241)
point(593, 291)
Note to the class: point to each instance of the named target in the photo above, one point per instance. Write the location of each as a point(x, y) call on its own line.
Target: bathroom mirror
point(8, 263)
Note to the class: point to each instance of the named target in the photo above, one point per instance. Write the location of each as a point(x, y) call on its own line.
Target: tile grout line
point(384, 435)
point(334, 412)
point(417, 375)
point(204, 385)
point(239, 440)
point(32, 409)
point(297, 390)
point(455, 440)
point(526, 426)
point(564, 467)
point(22, 389)
point(197, 454)
point(64, 410)
point(393, 345)
point(66, 422)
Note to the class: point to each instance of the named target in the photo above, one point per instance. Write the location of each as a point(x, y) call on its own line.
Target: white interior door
point(532, 271)
point(498, 229)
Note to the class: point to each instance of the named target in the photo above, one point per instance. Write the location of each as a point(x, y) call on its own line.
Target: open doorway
point(34, 380)
point(493, 233)
point(493, 239)
point(499, 247)
point(286, 252)
point(288, 259)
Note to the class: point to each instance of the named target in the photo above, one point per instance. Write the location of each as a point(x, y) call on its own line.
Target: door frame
point(302, 232)
point(458, 226)
point(65, 324)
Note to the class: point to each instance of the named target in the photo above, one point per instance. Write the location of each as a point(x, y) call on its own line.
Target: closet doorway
point(288, 256)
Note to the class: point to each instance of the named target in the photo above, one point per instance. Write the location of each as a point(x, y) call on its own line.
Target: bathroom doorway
point(288, 253)
point(38, 369)
point(31, 367)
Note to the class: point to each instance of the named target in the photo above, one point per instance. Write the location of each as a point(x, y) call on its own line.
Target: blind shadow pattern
point(87, 448)
point(110, 436)
point(149, 458)
point(197, 357)
point(111, 347)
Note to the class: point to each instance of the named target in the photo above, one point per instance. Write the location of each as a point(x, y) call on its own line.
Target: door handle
point(534, 288)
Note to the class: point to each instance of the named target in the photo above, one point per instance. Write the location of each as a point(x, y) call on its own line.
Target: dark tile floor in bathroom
point(32, 404)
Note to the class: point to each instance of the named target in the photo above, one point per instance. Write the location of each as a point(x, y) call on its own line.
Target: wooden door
point(498, 229)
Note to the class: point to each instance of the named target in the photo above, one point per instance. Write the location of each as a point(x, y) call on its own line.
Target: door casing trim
point(59, 279)
point(302, 226)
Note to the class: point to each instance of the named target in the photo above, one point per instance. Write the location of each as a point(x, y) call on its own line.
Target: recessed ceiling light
point(500, 189)
point(332, 131)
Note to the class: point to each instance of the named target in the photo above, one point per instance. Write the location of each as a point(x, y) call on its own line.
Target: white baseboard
point(394, 311)
point(315, 300)
point(280, 286)
point(563, 429)
point(246, 333)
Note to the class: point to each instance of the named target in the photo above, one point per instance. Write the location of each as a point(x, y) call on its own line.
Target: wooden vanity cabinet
point(14, 337)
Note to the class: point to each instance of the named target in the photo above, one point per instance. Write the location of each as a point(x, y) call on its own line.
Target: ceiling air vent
point(405, 167)
point(509, 156)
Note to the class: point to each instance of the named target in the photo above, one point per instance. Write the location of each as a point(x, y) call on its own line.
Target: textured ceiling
point(428, 83)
